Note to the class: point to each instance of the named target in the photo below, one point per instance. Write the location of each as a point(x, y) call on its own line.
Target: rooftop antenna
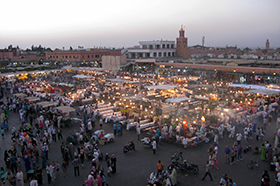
point(203, 40)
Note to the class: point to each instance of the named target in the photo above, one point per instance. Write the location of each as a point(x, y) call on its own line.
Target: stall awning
point(31, 99)
point(45, 104)
point(20, 95)
point(177, 100)
point(163, 87)
point(65, 109)
point(81, 76)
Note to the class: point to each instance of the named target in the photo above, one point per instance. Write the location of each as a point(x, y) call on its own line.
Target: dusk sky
point(123, 23)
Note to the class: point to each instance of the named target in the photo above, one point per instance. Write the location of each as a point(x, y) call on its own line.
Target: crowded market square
point(137, 118)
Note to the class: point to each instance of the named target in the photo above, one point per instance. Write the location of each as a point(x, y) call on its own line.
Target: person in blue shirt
point(119, 126)
point(227, 154)
point(2, 132)
point(115, 128)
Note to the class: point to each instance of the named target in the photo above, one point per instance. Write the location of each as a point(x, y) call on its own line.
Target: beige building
point(113, 62)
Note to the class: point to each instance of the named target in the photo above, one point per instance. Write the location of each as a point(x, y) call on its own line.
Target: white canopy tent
point(45, 104)
point(65, 109)
point(177, 100)
point(162, 87)
point(261, 89)
point(32, 99)
point(20, 95)
point(81, 76)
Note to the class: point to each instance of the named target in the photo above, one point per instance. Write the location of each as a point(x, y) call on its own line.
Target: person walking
point(154, 145)
point(160, 167)
point(64, 168)
point(75, 163)
point(232, 155)
point(227, 154)
point(82, 157)
point(39, 175)
point(265, 178)
point(115, 128)
point(49, 170)
point(208, 167)
point(238, 137)
point(19, 178)
point(59, 133)
point(119, 127)
point(138, 131)
point(263, 152)
point(239, 152)
point(113, 164)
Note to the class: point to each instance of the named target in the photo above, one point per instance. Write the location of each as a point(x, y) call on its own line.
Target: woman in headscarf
point(27, 163)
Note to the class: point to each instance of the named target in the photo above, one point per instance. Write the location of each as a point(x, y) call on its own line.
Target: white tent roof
point(177, 100)
point(32, 99)
point(81, 76)
point(45, 104)
point(65, 109)
point(261, 89)
point(163, 87)
point(20, 95)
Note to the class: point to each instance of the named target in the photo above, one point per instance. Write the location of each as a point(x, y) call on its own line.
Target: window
point(70, 57)
point(164, 54)
point(97, 55)
point(56, 56)
point(88, 56)
point(50, 56)
point(62, 56)
point(150, 46)
point(173, 54)
point(155, 54)
point(168, 54)
point(163, 45)
point(172, 46)
point(83, 57)
point(66, 56)
point(167, 46)
point(159, 54)
point(157, 47)
point(144, 46)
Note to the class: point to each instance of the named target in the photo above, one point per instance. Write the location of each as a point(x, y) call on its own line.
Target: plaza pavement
point(134, 168)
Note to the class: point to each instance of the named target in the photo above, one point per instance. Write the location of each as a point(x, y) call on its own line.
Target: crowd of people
point(39, 128)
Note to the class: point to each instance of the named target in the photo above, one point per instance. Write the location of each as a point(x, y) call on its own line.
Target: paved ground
point(135, 167)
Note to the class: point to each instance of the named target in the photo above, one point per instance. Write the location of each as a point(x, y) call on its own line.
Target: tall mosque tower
point(182, 44)
point(267, 44)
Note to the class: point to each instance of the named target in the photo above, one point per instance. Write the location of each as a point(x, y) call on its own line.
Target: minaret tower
point(267, 44)
point(182, 44)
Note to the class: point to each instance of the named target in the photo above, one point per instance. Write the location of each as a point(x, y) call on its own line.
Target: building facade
point(92, 54)
point(151, 49)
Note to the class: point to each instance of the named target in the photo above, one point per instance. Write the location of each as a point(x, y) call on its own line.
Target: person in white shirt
point(89, 126)
point(41, 118)
point(238, 138)
point(228, 129)
point(277, 177)
point(185, 142)
point(33, 182)
point(216, 139)
point(154, 145)
point(170, 129)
